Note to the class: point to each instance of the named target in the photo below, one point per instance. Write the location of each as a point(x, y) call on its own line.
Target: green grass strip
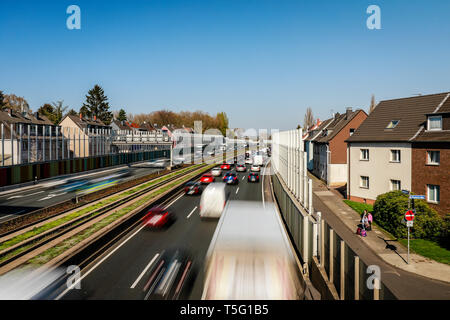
point(60, 248)
point(53, 224)
point(428, 249)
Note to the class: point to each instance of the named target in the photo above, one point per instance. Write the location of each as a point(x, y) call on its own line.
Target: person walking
point(370, 220)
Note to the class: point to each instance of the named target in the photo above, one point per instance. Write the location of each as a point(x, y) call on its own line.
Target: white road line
point(191, 212)
point(174, 201)
point(243, 177)
point(98, 263)
point(145, 270)
point(237, 190)
point(26, 195)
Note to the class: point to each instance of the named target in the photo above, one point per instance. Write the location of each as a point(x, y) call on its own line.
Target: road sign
point(409, 215)
point(409, 224)
point(417, 197)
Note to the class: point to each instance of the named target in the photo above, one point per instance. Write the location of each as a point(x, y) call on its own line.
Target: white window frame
point(399, 184)
point(361, 153)
point(393, 151)
point(429, 160)
point(438, 193)
point(428, 123)
point(361, 182)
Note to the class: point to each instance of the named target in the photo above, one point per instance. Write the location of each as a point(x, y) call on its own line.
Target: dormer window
point(435, 123)
point(392, 124)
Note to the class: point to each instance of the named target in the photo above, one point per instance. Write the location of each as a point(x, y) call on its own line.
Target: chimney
point(348, 111)
point(122, 122)
point(81, 116)
point(36, 115)
point(95, 117)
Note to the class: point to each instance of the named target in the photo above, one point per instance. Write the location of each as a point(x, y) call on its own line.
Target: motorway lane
point(21, 202)
point(112, 275)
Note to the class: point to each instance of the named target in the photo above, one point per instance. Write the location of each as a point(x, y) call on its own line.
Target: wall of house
point(379, 169)
point(337, 174)
point(338, 146)
point(424, 173)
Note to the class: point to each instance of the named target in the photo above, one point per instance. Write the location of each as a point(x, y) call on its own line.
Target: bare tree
point(309, 119)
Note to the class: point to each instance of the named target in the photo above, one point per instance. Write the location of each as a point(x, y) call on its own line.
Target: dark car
point(192, 187)
point(253, 177)
point(171, 277)
point(231, 178)
point(158, 217)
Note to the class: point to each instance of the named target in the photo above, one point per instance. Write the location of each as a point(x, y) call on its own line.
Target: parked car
point(241, 168)
point(216, 172)
point(158, 217)
point(213, 200)
point(192, 187)
point(231, 178)
point(255, 168)
point(253, 177)
point(207, 178)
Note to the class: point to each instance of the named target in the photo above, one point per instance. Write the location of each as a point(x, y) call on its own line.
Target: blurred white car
point(248, 161)
point(216, 172)
point(255, 168)
point(213, 200)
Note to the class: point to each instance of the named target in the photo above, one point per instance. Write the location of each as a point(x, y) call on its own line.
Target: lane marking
point(144, 271)
point(97, 264)
point(243, 177)
point(191, 212)
point(25, 195)
point(174, 201)
point(237, 190)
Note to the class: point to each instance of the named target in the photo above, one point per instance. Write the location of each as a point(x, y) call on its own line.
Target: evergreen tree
point(122, 115)
point(2, 97)
point(97, 105)
point(72, 112)
point(48, 111)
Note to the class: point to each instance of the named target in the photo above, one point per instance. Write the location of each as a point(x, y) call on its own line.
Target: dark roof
point(25, 118)
point(313, 135)
point(84, 122)
point(119, 124)
point(146, 127)
point(411, 113)
point(339, 122)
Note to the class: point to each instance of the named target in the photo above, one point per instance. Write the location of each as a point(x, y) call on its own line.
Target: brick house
point(330, 146)
point(404, 144)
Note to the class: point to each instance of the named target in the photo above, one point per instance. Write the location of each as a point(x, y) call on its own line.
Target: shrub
point(389, 211)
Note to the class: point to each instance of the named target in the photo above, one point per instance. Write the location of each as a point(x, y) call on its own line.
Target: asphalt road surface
point(123, 270)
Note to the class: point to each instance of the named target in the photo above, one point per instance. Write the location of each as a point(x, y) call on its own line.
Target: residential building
point(330, 147)
point(404, 144)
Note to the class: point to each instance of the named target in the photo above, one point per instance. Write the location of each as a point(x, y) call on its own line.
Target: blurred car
point(207, 178)
point(241, 168)
point(216, 172)
point(158, 217)
point(248, 161)
point(255, 168)
point(231, 178)
point(192, 187)
point(225, 166)
point(253, 177)
point(171, 276)
point(213, 200)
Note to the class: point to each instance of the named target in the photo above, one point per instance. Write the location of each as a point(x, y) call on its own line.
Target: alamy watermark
point(374, 20)
point(74, 20)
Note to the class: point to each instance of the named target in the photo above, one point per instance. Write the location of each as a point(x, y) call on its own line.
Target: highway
point(123, 270)
point(47, 193)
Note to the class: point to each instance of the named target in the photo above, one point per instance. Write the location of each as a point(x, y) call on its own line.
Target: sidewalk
point(382, 244)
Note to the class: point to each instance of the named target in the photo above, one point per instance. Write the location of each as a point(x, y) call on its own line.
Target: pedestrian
point(370, 219)
point(363, 219)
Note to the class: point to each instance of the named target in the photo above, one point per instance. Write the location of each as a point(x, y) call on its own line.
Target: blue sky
point(263, 62)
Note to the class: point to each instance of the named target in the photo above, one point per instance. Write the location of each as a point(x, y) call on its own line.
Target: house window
point(435, 123)
point(364, 182)
point(433, 157)
point(352, 131)
point(396, 185)
point(395, 155)
point(433, 193)
point(392, 124)
point(364, 154)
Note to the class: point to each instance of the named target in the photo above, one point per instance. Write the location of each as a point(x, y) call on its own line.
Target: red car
point(192, 188)
point(225, 166)
point(157, 217)
point(207, 178)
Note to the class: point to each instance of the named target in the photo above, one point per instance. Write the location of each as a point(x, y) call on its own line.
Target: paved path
point(418, 280)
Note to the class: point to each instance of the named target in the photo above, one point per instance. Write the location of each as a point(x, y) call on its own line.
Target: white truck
point(258, 160)
point(250, 257)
